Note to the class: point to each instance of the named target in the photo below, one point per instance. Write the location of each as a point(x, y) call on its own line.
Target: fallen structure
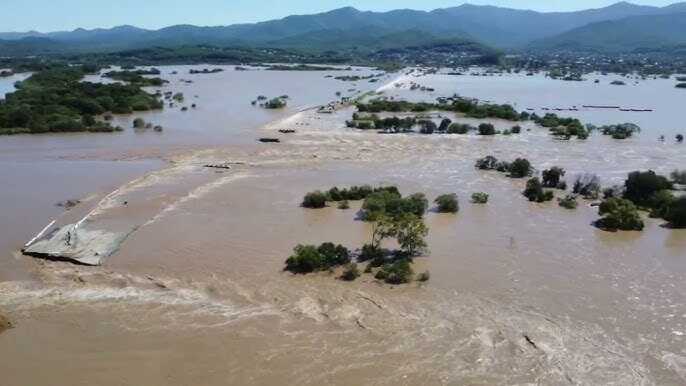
point(74, 244)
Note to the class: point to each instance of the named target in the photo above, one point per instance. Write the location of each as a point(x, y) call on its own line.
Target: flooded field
point(520, 293)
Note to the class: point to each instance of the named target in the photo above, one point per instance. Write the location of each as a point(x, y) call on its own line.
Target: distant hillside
point(348, 27)
point(28, 46)
point(365, 39)
point(629, 34)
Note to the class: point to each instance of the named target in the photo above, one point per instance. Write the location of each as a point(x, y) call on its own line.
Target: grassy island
point(56, 100)
point(137, 78)
point(471, 108)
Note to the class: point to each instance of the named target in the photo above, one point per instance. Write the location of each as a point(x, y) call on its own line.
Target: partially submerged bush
point(520, 168)
point(587, 185)
point(350, 273)
point(486, 129)
point(308, 258)
point(460, 128)
point(676, 213)
point(535, 193)
point(398, 272)
point(445, 123)
point(392, 204)
point(447, 203)
point(619, 214)
point(641, 186)
point(314, 200)
point(480, 198)
point(569, 202)
point(620, 131)
point(355, 193)
point(138, 123)
point(424, 276)
point(344, 205)
point(552, 178)
point(370, 252)
point(487, 163)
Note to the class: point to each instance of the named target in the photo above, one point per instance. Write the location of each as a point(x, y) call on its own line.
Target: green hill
point(630, 34)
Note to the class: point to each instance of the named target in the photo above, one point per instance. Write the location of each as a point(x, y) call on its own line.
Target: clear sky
point(55, 15)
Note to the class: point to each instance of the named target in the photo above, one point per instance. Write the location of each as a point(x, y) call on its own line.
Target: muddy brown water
point(520, 293)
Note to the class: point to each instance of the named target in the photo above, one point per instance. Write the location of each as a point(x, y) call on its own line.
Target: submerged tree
point(534, 191)
point(552, 177)
point(619, 214)
point(447, 203)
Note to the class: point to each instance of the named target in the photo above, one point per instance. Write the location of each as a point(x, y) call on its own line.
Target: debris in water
point(529, 341)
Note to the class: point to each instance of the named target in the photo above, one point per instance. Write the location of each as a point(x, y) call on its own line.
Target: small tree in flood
point(534, 191)
point(314, 200)
point(447, 203)
point(619, 214)
point(410, 232)
point(520, 168)
point(552, 177)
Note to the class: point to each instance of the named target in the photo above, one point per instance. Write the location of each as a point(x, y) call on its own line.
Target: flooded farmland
point(520, 293)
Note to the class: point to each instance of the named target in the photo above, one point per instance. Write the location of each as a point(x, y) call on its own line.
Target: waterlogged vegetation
point(480, 198)
point(564, 128)
point(519, 168)
point(447, 203)
point(469, 107)
point(137, 77)
point(392, 216)
point(56, 100)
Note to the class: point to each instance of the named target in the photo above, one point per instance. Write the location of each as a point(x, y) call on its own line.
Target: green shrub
point(619, 214)
point(398, 272)
point(640, 187)
point(480, 198)
point(569, 202)
point(535, 193)
point(305, 259)
point(447, 203)
point(344, 205)
point(138, 123)
point(391, 203)
point(676, 213)
point(551, 177)
point(370, 252)
point(309, 258)
point(620, 131)
point(520, 168)
point(458, 128)
point(486, 129)
point(314, 200)
point(333, 255)
point(275, 103)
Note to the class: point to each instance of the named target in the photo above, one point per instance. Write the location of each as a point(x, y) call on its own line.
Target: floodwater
point(7, 83)
point(520, 293)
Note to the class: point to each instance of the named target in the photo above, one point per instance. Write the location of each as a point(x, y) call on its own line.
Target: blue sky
point(54, 15)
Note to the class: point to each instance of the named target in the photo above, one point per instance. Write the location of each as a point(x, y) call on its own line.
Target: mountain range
point(616, 28)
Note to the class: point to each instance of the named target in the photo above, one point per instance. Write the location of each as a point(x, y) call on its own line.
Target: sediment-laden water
point(520, 293)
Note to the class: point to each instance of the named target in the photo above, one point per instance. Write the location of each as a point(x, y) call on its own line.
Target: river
point(519, 292)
